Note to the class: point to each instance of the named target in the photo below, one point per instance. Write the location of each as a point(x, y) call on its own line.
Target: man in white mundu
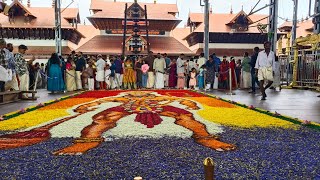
point(100, 71)
point(264, 68)
point(149, 60)
point(159, 65)
point(22, 68)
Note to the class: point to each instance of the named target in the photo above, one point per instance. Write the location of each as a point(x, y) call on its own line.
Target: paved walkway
point(302, 104)
point(43, 96)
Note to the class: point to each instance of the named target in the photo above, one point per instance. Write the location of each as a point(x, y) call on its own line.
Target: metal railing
point(308, 69)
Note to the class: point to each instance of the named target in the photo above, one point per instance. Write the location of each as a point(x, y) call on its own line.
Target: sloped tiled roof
point(102, 44)
point(304, 28)
point(180, 34)
point(218, 22)
point(44, 18)
point(115, 10)
point(88, 31)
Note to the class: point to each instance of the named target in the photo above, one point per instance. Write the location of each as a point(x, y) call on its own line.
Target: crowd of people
point(15, 72)
point(79, 72)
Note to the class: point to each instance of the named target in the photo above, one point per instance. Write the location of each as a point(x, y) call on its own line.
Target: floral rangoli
point(195, 123)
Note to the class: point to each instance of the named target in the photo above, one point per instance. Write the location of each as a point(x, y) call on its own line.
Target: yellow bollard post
point(295, 65)
point(208, 169)
point(288, 44)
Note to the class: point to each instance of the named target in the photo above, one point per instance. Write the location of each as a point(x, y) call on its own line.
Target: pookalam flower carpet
point(156, 134)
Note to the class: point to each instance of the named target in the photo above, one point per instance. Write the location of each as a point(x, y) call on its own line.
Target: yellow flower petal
point(241, 117)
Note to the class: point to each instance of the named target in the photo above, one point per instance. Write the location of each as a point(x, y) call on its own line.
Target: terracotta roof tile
point(218, 22)
point(303, 28)
point(102, 44)
point(44, 18)
point(180, 34)
point(115, 10)
point(88, 31)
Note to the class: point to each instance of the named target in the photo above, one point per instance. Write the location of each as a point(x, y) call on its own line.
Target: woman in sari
point(210, 73)
point(232, 66)
point(224, 73)
point(55, 80)
point(139, 64)
point(173, 74)
point(70, 75)
point(129, 75)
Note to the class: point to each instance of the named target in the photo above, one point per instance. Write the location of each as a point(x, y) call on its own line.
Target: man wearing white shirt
point(264, 68)
point(100, 70)
point(201, 61)
point(159, 66)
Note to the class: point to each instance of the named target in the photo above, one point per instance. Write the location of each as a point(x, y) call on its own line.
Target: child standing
point(107, 78)
point(238, 72)
point(276, 78)
point(193, 81)
point(113, 74)
point(201, 77)
point(90, 72)
point(144, 68)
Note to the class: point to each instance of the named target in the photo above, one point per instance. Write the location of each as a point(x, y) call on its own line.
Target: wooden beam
point(15, 33)
point(52, 34)
point(99, 24)
point(9, 33)
point(36, 33)
point(42, 35)
point(31, 33)
point(20, 33)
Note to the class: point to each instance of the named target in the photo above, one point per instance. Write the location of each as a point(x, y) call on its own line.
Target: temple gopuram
point(35, 28)
point(230, 34)
point(133, 28)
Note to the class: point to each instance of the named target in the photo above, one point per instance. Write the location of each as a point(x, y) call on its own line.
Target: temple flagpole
point(124, 31)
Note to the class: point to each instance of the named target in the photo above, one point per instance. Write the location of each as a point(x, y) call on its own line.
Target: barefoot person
point(264, 65)
point(100, 71)
point(22, 68)
point(159, 66)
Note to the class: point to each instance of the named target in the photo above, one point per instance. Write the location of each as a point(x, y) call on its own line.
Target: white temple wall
point(231, 46)
point(35, 42)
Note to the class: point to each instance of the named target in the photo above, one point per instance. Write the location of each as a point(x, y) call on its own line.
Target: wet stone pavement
point(302, 104)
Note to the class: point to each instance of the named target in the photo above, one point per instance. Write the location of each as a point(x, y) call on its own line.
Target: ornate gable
point(135, 11)
point(17, 10)
point(240, 22)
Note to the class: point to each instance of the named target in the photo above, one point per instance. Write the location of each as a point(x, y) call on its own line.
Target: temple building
point(304, 28)
point(230, 34)
point(147, 26)
point(35, 28)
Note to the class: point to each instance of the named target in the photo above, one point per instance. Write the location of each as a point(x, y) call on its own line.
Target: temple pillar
point(295, 64)
point(288, 48)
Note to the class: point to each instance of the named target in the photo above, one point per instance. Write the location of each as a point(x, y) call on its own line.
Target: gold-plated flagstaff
point(208, 168)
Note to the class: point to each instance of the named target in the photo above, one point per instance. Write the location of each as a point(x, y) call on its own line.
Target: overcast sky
point(218, 6)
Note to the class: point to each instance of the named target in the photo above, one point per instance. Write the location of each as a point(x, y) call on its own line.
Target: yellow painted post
point(280, 45)
point(288, 48)
point(208, 169)
point(295, 64)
